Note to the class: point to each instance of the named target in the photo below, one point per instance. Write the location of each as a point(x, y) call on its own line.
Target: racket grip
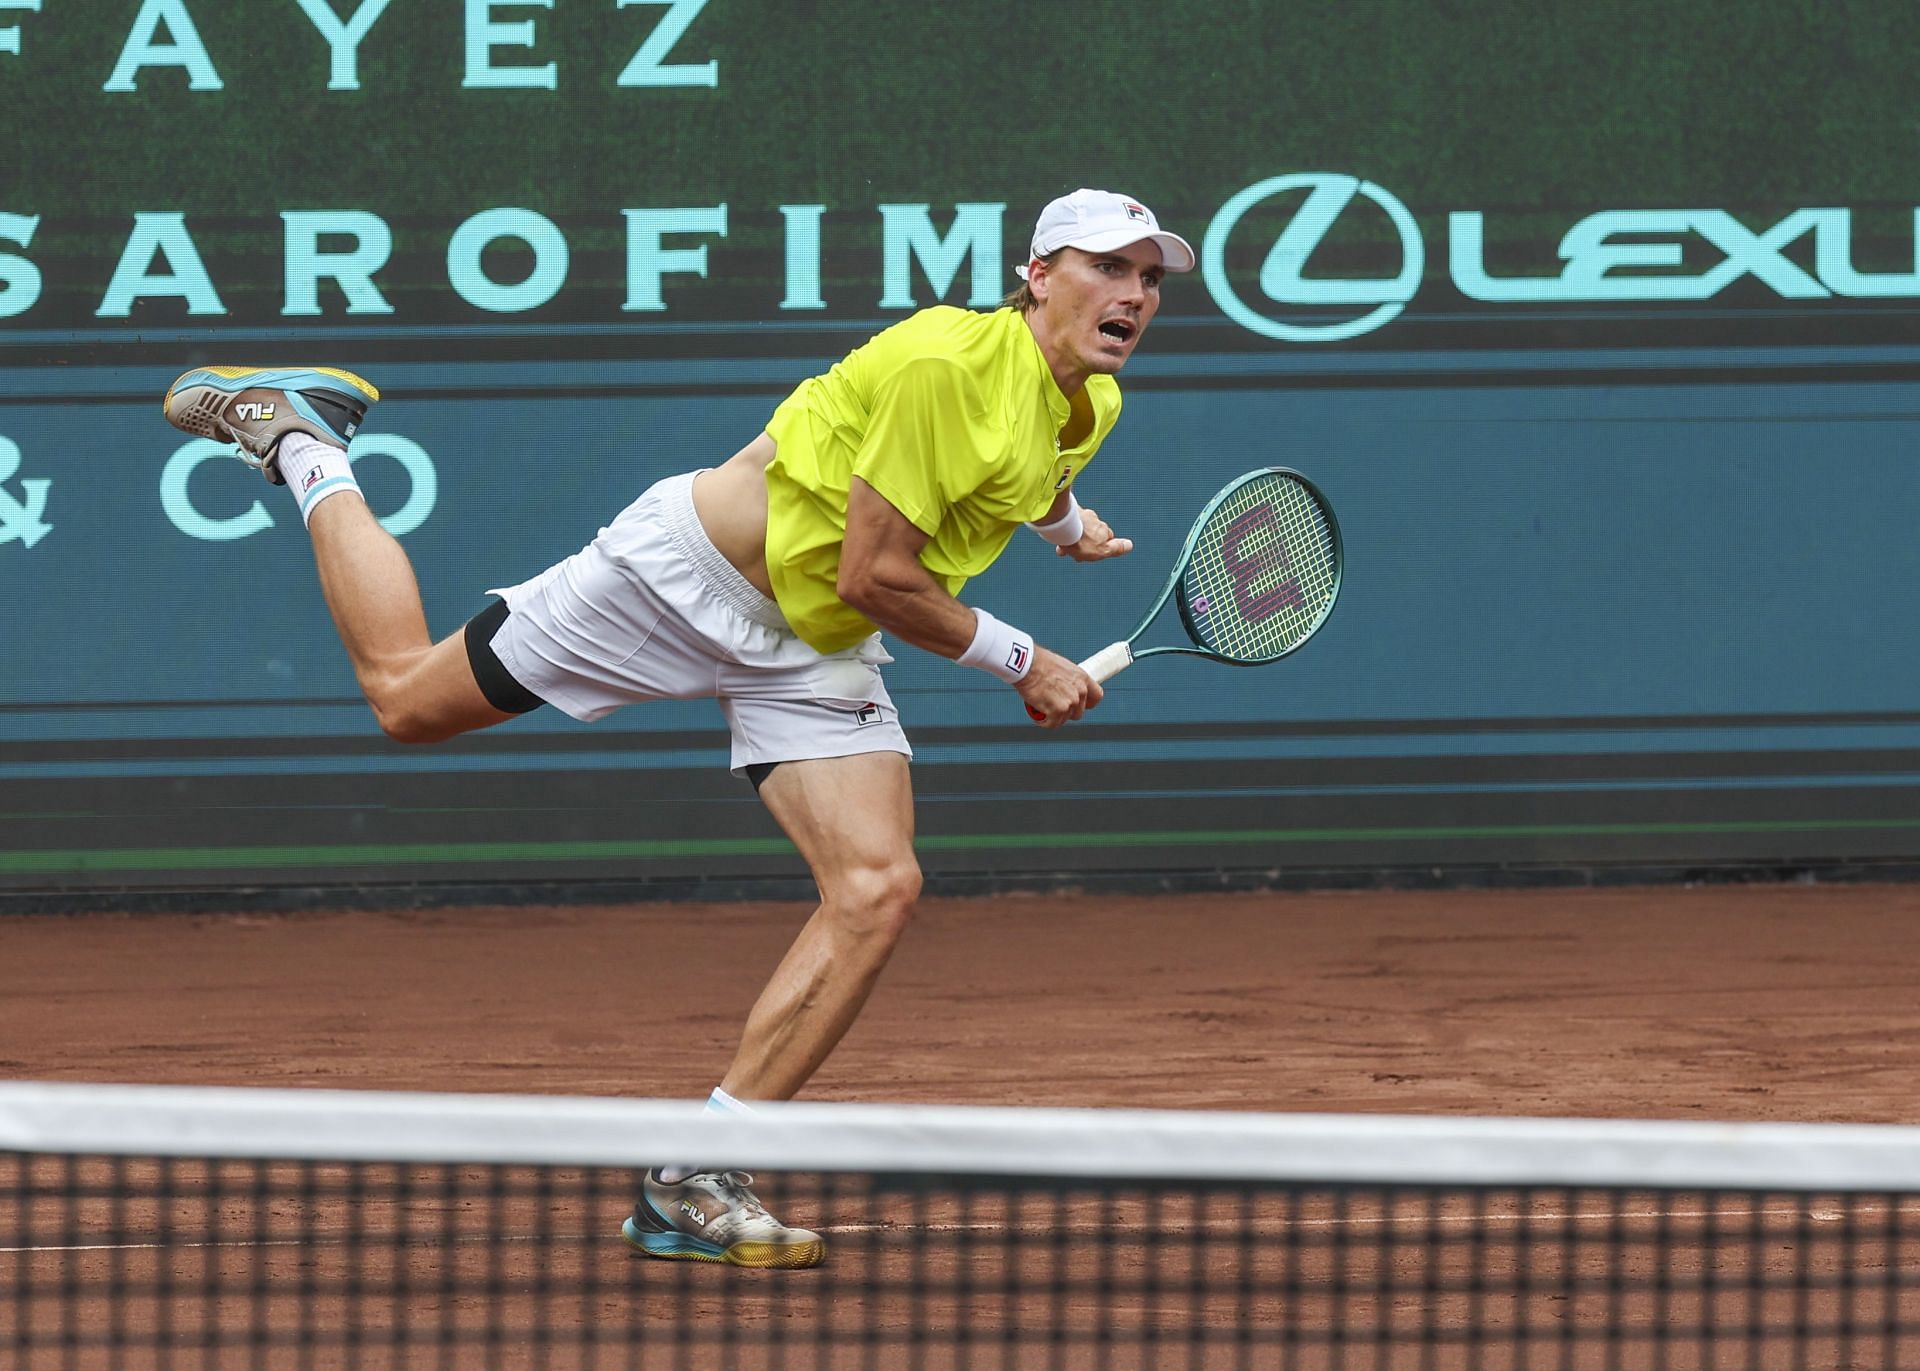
point(1108, 662)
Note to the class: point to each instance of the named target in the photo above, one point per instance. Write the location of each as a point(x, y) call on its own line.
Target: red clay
point(1720, 1002)
point(1761, 1003)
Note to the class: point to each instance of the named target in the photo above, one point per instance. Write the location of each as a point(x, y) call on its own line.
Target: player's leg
point(294, 424)
point(420, 691)
point(852, 819)
point(851, 816)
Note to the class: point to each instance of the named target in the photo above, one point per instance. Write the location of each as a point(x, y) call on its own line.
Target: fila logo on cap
point(1102, 221)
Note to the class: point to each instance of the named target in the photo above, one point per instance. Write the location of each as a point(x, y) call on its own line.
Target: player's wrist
point(1068, 529)
point(998, 649)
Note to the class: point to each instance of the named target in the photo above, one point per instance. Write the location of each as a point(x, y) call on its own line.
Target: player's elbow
point(884, 588)
point(859, 588)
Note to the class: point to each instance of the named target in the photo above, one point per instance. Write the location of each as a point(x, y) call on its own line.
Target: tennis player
point(877, 490)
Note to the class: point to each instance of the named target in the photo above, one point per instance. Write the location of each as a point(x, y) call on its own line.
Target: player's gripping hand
point(1097, 542)
point(1057, 690)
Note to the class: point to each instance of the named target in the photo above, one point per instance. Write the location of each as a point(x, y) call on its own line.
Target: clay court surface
point(1722, 1002)
point(1728, 1002)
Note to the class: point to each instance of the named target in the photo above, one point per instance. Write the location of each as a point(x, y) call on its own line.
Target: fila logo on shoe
point(254, 409)
point(692, 1211)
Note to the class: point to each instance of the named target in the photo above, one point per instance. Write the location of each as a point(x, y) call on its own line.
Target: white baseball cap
point(1100, 221)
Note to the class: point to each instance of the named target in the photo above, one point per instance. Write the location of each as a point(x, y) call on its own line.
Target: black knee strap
point(495, 681)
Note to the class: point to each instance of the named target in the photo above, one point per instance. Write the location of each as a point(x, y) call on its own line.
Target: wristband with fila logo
point(998, 648)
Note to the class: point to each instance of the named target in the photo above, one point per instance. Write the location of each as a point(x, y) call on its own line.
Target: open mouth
point(1118, 330)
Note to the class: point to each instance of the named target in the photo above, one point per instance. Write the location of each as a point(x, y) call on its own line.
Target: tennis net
point(161, 1227)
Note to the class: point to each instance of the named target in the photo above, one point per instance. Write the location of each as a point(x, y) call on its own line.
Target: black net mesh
point(145, 1262)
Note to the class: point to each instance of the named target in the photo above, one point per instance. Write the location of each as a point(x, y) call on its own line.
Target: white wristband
point(998, 648)
point(1067, 529)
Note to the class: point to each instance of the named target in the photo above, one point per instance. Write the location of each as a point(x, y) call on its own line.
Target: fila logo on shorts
point(866, 714)
point(311, 479)
point(1017, 659)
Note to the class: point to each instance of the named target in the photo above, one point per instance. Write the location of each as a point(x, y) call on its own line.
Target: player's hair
point(1022, 296)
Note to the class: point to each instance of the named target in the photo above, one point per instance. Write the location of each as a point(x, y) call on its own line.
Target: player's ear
point(1037, 284)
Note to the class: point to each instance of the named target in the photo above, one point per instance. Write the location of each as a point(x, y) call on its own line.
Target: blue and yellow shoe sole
point(763, 1255)
point(235, 379)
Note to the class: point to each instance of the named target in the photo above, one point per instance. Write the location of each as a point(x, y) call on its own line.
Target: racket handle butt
point(1109, 661)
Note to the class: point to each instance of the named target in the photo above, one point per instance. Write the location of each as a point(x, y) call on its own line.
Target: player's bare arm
point(881, 576)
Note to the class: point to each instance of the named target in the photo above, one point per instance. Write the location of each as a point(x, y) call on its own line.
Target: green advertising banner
point(512, 163)
point(1595, 323)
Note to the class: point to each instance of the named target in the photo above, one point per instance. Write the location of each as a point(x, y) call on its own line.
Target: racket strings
point(1264, 571)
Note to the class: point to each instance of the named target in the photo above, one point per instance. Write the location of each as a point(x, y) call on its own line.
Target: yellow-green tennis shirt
point(954, 417)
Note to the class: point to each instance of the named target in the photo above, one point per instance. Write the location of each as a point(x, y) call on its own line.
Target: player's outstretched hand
point(1057, 690)
point(1097, 543)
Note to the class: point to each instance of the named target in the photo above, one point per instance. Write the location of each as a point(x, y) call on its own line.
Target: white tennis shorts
point(650, 610)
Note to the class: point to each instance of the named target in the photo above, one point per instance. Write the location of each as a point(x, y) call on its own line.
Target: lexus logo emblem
point(1283, 279)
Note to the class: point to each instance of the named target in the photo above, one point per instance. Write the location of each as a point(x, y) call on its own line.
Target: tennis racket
point(1256, 579)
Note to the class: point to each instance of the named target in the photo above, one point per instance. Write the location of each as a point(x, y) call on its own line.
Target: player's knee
point(401, 723)
point(877, 901)
point(399, 710)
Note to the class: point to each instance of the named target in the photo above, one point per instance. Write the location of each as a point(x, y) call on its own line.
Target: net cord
point(323, 1125)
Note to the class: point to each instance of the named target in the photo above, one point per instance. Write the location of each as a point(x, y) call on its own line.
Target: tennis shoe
point(256, 407)
point(713, 1217)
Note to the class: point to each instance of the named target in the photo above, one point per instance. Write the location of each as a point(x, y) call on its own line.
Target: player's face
point(1097, 304)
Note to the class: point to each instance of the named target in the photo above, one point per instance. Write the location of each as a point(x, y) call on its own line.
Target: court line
point(1503, 1221)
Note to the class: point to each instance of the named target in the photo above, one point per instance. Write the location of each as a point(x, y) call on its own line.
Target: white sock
point(719, 1102)
point(313, 471)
